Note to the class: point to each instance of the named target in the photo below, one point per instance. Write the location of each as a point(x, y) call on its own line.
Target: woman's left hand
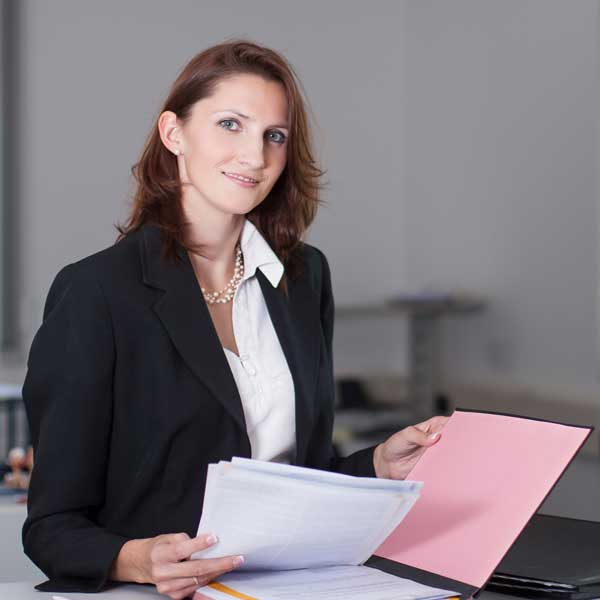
point(395, 458)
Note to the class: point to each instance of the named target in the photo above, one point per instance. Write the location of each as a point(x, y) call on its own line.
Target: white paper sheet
point(316, 475)
point(303, 520)
point(331, 583)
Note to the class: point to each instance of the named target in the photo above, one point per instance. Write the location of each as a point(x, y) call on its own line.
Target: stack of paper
point(304, 527)
point(285, 517)
point(328, 583)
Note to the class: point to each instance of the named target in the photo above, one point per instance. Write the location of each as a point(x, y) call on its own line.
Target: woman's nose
point(251, 153)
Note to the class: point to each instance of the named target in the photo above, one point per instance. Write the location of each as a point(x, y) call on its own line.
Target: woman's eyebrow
point(239, 114)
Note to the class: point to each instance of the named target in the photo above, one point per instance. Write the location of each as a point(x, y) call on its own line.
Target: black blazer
point(129, 397)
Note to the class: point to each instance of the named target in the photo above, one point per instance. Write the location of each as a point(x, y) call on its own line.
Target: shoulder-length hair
point(285, 214)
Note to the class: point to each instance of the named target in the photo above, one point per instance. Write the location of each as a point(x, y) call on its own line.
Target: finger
point(176, 585)
point(433, 425)
point(187, 592)
point(201, 567)
point(182, 550)
point(172, 586)
point(173, 538)
point(420, 438)
point(438, 422)
point(202, 577)
point(162, 550)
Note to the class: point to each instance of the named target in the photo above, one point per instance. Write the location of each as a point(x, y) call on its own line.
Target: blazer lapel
point(296, 322)
point(184, 313)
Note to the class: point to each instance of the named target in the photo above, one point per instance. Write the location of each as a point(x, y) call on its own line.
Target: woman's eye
point(281, 139)
point(227, 121)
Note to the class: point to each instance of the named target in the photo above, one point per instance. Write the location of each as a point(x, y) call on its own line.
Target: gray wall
point(500, 196)
point(458, 138)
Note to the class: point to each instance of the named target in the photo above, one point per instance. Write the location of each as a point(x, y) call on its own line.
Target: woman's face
point(241, 129)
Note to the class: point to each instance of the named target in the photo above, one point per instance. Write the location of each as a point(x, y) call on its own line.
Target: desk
point(424, 313)
point(23, 590)
point(14, 565)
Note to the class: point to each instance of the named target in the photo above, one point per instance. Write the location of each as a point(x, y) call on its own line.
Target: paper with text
point(331, 583)
point(286, 517)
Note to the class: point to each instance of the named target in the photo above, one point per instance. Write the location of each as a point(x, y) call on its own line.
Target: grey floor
point(576, 495)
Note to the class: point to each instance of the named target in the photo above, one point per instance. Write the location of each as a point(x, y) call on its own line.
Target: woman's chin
point(240, 208)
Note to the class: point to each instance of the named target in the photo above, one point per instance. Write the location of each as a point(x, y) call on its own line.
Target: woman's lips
point(246, 184)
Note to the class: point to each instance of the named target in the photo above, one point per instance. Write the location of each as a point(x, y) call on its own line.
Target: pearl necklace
point(228, 291)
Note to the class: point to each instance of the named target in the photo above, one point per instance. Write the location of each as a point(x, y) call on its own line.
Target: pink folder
point(483, 481)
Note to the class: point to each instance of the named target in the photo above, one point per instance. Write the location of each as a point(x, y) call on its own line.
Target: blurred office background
point(460, 142)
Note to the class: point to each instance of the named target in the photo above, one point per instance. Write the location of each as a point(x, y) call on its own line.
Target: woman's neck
point(214, 238)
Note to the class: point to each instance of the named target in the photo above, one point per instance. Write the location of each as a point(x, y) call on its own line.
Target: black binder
point(554, 557)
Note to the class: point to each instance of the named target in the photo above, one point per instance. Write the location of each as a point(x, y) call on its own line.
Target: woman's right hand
point(165, 561)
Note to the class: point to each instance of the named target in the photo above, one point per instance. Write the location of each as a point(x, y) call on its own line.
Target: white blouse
point(261, 371)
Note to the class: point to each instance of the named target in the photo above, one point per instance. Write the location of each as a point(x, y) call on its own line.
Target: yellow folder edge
point(227, 590)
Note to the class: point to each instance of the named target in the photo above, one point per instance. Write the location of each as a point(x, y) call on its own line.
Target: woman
point(203, 333)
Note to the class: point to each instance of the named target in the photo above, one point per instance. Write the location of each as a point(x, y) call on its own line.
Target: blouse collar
point(259, 255)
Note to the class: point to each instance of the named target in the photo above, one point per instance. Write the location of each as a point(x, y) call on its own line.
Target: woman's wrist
point(128, 565)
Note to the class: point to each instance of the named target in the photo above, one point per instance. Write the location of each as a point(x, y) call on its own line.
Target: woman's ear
point(170, 132)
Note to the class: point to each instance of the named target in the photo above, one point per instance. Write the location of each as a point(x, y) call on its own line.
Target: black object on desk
point(554, 557)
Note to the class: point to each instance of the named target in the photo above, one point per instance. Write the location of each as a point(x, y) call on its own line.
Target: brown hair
point(285, 214)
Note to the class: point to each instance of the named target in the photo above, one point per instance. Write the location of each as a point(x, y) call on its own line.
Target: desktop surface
point(24, 590)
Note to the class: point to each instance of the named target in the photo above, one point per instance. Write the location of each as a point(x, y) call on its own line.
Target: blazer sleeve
point(361, 462)
point(68, 398)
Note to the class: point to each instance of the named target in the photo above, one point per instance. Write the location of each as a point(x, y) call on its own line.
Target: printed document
point(331, 583)
point(286, 517)
point(304, 533)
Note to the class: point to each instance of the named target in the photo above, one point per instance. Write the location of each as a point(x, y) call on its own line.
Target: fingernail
point(238, 560)
point(212, 539)
point(433, 436)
